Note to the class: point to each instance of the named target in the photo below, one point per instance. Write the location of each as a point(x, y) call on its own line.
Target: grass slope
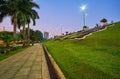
point(96, 57)
point(72, 35)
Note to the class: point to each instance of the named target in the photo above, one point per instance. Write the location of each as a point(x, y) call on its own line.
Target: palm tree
point(21, 22)
point(25, 17)
point(30, 17)
point(14, 8)
point(11, 8)
point(3, 9)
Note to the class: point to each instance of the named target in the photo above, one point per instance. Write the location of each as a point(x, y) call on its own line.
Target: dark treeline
point(35, 35)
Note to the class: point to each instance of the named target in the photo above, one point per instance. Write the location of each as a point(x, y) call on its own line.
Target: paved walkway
point(28, 64)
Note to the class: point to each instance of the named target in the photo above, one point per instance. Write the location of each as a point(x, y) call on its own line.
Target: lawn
point(95, 57)
point(72, 35)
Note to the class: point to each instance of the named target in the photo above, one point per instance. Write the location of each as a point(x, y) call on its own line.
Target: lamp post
point(83, 8)
point(61, 28)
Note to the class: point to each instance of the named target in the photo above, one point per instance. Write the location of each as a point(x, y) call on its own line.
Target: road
point(28, 64)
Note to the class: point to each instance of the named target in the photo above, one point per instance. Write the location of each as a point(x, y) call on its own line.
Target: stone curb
point(57, 70)
point(45, 70)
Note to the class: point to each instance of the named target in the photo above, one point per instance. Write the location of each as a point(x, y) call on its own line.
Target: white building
point(46, 35)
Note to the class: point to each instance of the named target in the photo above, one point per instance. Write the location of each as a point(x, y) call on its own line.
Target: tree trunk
point(28, 34)
point(23, 35)
point(14, 34)
point(6, 48)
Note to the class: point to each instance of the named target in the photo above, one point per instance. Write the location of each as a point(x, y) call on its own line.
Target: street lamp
point(61, 28)
point(83, 8)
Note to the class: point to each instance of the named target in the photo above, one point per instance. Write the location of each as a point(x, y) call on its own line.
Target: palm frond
point(34, 5)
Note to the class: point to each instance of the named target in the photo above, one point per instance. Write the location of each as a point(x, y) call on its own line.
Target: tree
point(25, 17)
point(11, 8)
point(14, 9)
point(7, 37)
point(85, 28)
point(34, 15)
point(104, 21)
point(36, 36)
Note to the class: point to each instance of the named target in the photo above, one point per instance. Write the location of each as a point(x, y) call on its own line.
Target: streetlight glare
point(83, 7)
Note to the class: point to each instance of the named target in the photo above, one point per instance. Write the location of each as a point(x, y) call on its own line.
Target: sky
point(59, 16)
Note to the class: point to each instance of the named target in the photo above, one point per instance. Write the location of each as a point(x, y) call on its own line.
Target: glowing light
point(83, 7)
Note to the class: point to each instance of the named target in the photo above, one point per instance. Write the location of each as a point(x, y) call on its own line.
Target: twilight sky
point(58, 16)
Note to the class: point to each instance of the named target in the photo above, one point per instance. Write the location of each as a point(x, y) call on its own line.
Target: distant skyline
point(58, 16)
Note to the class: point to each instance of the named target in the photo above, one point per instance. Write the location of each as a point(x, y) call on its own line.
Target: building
point(46, 35)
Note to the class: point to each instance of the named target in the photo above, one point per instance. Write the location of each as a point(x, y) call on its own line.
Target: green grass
point(96, 57)
point(73, 35)
point(11, 53)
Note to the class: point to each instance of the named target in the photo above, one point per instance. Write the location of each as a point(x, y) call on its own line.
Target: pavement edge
point(56, 68)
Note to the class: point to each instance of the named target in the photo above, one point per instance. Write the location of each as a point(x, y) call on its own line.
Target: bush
point(2, 49)
point(85, 27)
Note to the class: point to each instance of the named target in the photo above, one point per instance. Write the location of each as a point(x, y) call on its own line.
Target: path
point(28, 64)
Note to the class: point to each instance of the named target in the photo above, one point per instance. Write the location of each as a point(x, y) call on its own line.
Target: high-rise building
point(46, 35)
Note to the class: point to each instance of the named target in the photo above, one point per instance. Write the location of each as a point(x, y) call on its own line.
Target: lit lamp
point(83, 8)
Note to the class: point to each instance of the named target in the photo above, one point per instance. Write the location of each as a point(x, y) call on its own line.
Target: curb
point(45, 69)
point(56, 71)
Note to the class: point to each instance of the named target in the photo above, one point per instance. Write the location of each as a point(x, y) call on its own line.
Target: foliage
point(18, 36)
point(20, 15)
point(18, 49)
point(2, 49)
point(36, 36)
point(85, 27)
point(96, 57)
point(104, 20)
point(7, 37)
